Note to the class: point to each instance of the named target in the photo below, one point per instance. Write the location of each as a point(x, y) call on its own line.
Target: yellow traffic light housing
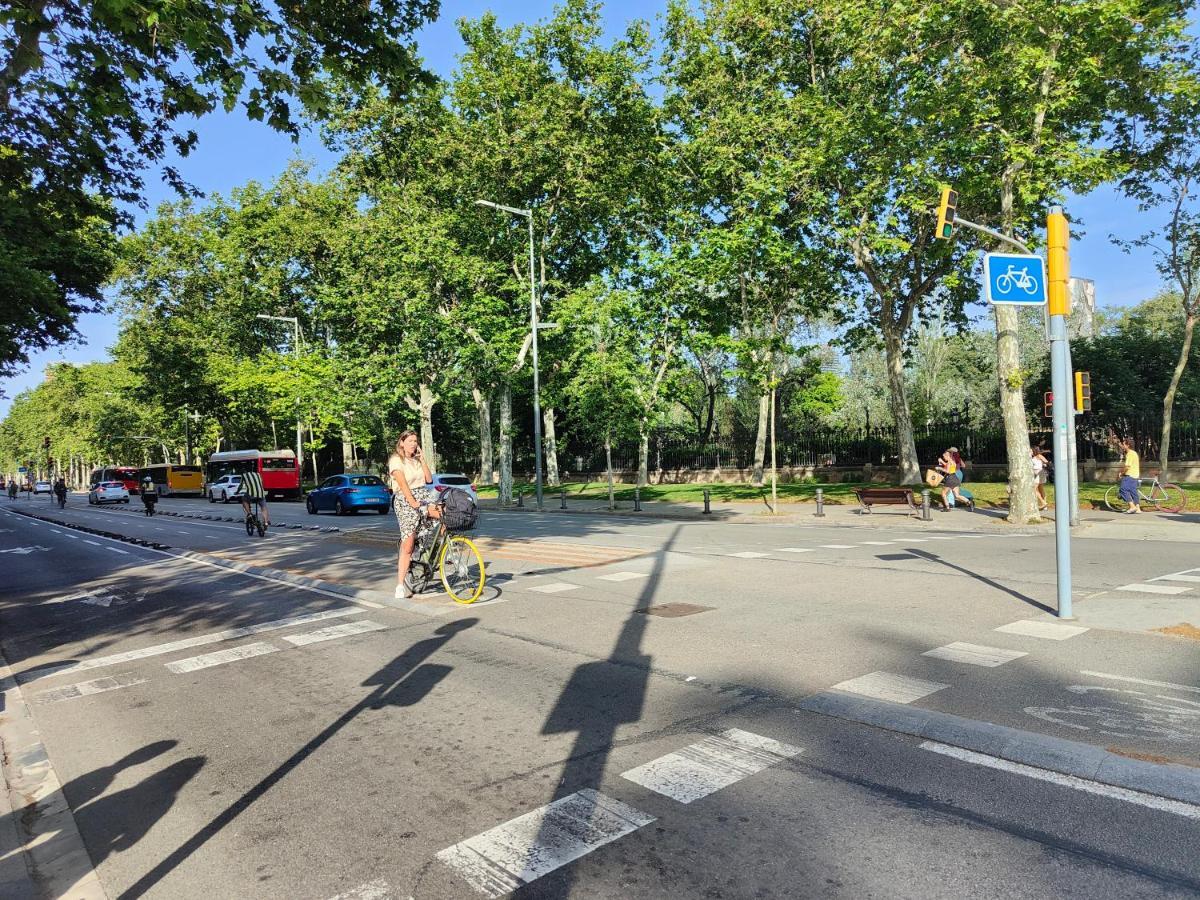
point(1058, 264)
point(947, 208)
point(1083, 392)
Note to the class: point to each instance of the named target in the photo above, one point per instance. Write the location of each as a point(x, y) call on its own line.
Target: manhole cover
point(675, 610)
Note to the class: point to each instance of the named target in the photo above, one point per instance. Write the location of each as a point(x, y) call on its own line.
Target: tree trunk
point(760, 439)
point(612, 504)
point(643, 477)
point(906, 445)
point(483, 404)
point(348, 460)
point(1022, 502)
point(428, 448)
point(506, 476)
point(1189, 329)
point(550, 442)
point(774, 476)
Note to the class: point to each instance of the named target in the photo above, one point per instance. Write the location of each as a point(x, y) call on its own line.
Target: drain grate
point(675, 610)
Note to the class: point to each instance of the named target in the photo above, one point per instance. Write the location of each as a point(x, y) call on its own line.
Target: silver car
point(443, 480)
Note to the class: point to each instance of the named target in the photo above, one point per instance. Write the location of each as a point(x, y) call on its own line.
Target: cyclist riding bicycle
point(149, 491)
point(251, 488)
point(60, 491)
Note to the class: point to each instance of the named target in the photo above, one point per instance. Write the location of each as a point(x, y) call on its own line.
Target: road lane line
point(709, 765)
point(974, 654)
point(794, 550)
point(93, 543)
point(837, 546)
point(187, 643)
point(1162, 804)
point(891, 687)
point(520, 851)
point(220, 657)
point(1145, 681)
point(118, 550)
point(1050, 631)
point(1153, 588)
point(876, 543)
point(362, 626)
point(1179, 576)
point(748, 554)
point(88, 688)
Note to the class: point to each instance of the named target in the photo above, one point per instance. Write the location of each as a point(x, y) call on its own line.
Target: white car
point(224, 488)
point(443, 480)
point(108, 492)
point(43, 487)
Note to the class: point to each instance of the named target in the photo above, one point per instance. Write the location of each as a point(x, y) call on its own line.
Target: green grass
point(987, 493)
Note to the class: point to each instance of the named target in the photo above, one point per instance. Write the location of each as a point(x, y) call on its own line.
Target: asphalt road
point(624, 716)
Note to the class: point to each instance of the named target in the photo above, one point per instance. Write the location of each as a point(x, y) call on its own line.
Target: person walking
point(951, 482)
point(1131, 471)
point(1041, 469)
point(410, 499)
point(12, 489)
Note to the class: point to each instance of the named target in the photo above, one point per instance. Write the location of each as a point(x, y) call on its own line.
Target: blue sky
point(233, 151)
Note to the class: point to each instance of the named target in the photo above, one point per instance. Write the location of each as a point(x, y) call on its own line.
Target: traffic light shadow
point(405, 681)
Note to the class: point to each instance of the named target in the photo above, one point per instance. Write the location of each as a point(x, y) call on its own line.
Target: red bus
point(280, 474)
point(127, 475)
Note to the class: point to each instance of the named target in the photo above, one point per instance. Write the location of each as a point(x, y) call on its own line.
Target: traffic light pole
point(1064, 404)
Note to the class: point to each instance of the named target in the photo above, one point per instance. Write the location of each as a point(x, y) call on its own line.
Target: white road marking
point(709, 765)
point(362, 626)
point(220, 657)
point(941, 537)
point(554, 587)
point(748, 554)
point(1153, 588)
point(118, 550)
point(82, 595)
point(1175, 807)
point(25, 551)
point(93, 543)
point(794, 550)
point(1145, 681)
point(1051, 631)
point(876, 543)
point(891, 687)
point(72, 536)
point(974, 654)
point(837, 546)
point(623, 576)
point(522, 850)
point(1181, 576)
point(914, 541)
point(372, 890)
point(198, 641)
point(87, 688)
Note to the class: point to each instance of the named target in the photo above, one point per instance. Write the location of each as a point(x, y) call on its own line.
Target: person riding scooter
point(149, 492)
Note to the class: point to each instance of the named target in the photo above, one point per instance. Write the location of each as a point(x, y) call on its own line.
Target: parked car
point(223, 488)
point(43, 487)
point(443, 480)
point(108, 492)
point(348, 494)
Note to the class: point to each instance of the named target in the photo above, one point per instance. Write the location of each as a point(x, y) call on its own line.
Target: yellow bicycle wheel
point(461, 568)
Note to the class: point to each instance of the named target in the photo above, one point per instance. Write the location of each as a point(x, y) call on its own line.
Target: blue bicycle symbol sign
point(1014, 278)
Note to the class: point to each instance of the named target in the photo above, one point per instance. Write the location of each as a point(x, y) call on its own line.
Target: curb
point(1167, 780)
point(55, 857)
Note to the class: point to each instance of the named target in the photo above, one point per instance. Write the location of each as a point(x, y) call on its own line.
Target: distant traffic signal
point(1083, 392)
point(46, 443)
point(1048, 411)
point(947, 209)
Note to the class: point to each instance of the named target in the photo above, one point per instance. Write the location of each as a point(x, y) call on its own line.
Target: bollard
point(520, 500)
point(820, 503)
point(637, 499)
point(562, 499)
point(925, 517)
point(707, 502)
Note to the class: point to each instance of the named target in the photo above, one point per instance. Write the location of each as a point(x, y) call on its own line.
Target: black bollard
point(562, 500)
point(520, 500)
point(820, 503)
point(707, 502)
point(637, 499)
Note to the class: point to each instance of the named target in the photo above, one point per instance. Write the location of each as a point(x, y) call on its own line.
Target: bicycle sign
point(1014, 278)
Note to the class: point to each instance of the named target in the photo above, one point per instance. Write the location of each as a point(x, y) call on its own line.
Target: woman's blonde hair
point(408, 432)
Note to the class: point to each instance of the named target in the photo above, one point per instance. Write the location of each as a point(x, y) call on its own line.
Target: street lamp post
point(533, 327)
point(295, 352)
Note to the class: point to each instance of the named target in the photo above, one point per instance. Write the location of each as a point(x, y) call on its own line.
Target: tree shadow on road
point(404, 681)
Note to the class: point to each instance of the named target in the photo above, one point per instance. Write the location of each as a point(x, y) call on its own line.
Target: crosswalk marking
point(837, 546)
point(520, 851)
point(1154, 588)
point(555, 587)
point(709, 765)
point(876, 543)
point(1051, 631)
point(220, 657)
point(748, 554)
point(623, 576)
point(372, 890)
point(1193, 579)
point(974, 654)
point(87, 688)
point(346, 629)
point(891, 687)
point(795, 550)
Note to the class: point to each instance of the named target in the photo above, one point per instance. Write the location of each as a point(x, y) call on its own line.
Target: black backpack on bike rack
point(459, 512)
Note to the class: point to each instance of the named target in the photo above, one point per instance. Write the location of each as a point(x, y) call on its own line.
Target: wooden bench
point(869, 497)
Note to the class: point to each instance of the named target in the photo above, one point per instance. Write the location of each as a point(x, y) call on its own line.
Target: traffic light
point(1083, 392)
point(46, 443)
point(1058, 264)
point(1048, 412)
point(946, 212)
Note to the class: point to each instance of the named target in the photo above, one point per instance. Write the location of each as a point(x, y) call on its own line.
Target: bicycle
point(62, 501)
point(1018, 278)
point(254, 523)
point(148, 509)
point(459, 564)
point(1163, 496)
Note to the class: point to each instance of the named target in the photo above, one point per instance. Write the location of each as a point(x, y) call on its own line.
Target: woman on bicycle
point(410, 499)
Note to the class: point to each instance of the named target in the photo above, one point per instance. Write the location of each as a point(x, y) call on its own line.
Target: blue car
point(346, 494)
